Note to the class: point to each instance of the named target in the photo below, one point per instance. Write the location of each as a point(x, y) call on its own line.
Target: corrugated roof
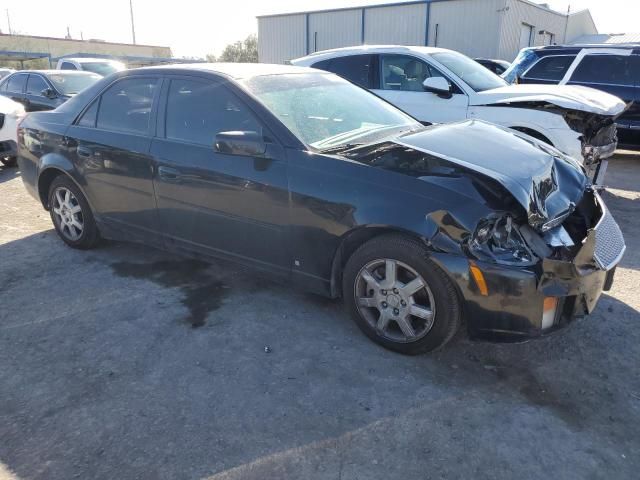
point(607, 38)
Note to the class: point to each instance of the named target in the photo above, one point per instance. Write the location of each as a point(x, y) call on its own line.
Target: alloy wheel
point(395, 300)
point(68, 213)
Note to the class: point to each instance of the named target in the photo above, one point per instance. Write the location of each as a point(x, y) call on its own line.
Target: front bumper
point(513, 309)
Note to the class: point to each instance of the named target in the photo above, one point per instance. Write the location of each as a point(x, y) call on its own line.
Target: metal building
point(478, 28)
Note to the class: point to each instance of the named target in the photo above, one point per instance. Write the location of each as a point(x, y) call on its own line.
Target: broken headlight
point(498, 239)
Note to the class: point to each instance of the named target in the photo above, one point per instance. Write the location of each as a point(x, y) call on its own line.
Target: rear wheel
point(71, 215)
point(398, 297)
point(9, 161)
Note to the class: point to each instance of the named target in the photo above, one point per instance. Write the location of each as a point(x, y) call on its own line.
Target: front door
point(218, 204)
point(34, 96)
point(401, 78)
point(110, 143)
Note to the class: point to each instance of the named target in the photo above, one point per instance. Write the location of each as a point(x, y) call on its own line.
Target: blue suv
point(614, 69)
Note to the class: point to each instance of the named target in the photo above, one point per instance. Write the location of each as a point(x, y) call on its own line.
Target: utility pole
point(9, 22)
point(133, 28)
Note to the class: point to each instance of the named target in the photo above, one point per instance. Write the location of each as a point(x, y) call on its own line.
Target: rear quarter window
point(604, 69)
point(355, 68)
point(550, 68)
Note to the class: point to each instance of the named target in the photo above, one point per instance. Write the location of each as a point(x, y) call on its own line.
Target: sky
point(193, 28)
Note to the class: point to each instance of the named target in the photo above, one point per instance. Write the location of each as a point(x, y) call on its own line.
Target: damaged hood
point(571, 97)
point(545, 182)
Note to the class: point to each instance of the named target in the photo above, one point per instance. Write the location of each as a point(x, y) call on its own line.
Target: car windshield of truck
point(469, 71)
point(326, 111)
point(72, 83)
point(101, 68)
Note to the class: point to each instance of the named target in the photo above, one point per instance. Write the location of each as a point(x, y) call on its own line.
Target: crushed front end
point(559, 276)
point(598, 138)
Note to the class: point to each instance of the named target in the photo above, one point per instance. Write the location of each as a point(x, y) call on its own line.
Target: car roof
point(56, 72)
point(88, 59)
point(364, 49)
point(232, 70)
point(551, 49)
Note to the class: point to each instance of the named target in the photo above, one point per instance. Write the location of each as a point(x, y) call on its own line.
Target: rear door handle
point(168, 173)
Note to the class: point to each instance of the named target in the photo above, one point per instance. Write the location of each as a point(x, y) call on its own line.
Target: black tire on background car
point(71, 214)
point(399, 297)
point(9, 161)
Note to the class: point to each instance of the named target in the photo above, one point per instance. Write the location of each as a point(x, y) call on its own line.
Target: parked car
point(496, 66)
point(45, 89)
point(10, 114)
point(436, 85)
point(614, 69)
point(304, 175)
point(101, 66)
point(5, 71)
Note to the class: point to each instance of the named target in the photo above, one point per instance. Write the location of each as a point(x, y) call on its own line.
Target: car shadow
point(8, 173)
point(104, 376)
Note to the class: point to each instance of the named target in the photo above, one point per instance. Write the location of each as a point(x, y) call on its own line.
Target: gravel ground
point(103, 375)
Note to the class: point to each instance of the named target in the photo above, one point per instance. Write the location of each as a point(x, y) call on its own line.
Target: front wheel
point(398, 297)
point(71, 214)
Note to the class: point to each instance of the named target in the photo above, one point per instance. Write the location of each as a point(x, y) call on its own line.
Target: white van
point(101, 66)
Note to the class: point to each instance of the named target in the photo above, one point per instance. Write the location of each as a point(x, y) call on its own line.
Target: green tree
point(245, 51)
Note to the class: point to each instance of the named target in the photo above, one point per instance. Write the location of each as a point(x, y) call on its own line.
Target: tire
point(9, 161)
point(69, 211)
point(382, 314)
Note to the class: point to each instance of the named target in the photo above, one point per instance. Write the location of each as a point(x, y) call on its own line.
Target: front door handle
point(168, 173)
point(84, 152)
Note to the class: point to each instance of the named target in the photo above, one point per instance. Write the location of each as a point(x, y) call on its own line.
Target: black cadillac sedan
point(304, 175)
point(45, 89)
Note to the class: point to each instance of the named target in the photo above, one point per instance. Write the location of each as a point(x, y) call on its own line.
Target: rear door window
point(550, 68)
point(197, 111)
point(355, 68)
point(604, 69)
point(17, 83)
point(68, 66)
point(126, 106)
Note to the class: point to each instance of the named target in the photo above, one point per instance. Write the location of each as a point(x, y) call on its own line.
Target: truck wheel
point(398, 297)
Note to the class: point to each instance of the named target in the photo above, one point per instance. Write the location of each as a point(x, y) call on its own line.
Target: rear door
point(218, 204)
point(400, 82)
point(111, 141)
point(612, 74)
point(16, 85)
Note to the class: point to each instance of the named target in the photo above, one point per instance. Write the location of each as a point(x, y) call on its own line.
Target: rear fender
point(52, 165)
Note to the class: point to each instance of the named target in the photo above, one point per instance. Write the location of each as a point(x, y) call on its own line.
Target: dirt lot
point(102, 374)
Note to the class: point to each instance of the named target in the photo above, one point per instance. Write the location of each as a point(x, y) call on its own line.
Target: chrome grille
point(610, 244)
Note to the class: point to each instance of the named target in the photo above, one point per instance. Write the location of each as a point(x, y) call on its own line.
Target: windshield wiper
point(341, 148)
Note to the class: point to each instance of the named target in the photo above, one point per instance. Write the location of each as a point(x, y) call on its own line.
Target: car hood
point(565, 96)
point(546, 183)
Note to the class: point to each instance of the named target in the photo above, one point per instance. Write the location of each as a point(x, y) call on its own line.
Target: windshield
point(72, 83)
point(523, 61)
point(471, 72)
point(325, 111)
point(101, 68)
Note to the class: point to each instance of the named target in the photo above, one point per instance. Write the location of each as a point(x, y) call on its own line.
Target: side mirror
point(49, 93)
point(438, 85)
point(250, 144)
